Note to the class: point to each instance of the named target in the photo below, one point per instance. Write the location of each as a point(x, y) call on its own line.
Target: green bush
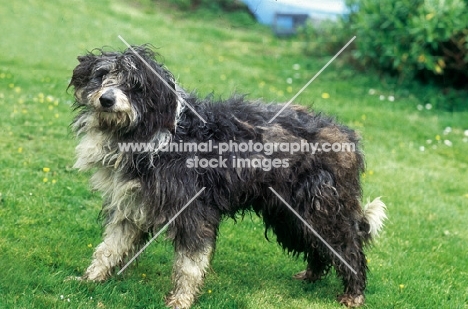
point(423, 40)
point(324, 38)
point(413, 38)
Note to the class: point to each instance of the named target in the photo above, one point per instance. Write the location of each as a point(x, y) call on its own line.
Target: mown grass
point(48, 216)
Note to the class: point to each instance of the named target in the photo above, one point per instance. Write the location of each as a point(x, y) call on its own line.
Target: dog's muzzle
point(107, 99)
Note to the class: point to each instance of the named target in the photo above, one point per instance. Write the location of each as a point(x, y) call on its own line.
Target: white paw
point(96, 273)
point(73, 278)
point(179, 301)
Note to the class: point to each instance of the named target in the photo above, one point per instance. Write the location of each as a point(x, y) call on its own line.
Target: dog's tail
point(374, 214)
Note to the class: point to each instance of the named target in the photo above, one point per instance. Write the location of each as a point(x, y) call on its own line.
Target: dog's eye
point(100, 74)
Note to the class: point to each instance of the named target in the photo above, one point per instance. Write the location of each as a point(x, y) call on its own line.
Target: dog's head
point(124, 92)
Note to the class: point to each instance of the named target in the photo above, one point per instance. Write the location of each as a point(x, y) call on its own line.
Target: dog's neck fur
point(99, 148)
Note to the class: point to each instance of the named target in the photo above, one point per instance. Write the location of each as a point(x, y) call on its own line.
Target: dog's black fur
point(121, 99)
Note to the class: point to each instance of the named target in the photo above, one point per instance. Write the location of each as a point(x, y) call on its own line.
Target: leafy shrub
point(325, 37)
point(422, 38)
point(427, 39)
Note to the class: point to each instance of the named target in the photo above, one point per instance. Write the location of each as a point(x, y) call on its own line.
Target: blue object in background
point(284, 22)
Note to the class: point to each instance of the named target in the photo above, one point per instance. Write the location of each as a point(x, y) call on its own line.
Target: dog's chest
point(122, 196)
point(95, 150)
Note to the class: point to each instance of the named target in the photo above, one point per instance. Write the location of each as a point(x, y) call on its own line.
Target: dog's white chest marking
point(90, 151)
point(95, 150)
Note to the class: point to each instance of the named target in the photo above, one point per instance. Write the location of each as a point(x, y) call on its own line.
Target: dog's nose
point(107, 100)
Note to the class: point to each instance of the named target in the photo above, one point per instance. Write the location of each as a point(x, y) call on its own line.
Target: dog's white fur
point(188, 274)
point(375, 213)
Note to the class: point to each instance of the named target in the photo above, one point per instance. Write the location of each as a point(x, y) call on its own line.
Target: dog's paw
point(307, 275)
point(85, 278)
point(351, 300)
point(96, 273)
point(179, 300)
point(73, 278)
point(301, 275)
point(94, 277)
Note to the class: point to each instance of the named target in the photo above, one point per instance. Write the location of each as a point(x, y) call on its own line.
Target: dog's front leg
point(188, 274)
point(120, 240)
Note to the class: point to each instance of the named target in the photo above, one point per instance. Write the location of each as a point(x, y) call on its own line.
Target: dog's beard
point(114, 119)
point(120, 116)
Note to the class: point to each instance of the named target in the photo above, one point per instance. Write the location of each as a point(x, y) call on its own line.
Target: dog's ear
point(81, 58)
point(82, 72)
point(156, 83)
point(163, 98)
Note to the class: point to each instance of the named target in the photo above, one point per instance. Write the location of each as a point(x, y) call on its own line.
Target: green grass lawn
point(416, 160)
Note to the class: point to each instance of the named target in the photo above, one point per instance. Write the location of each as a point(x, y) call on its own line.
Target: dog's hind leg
point(120, 240)
point(354, 281)
point(188, 275)
point(317, 267)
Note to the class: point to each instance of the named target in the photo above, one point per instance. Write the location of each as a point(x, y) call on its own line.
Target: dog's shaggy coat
point(120, 99)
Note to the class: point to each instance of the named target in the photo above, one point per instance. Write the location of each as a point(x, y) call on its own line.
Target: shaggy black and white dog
point(120, 99)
